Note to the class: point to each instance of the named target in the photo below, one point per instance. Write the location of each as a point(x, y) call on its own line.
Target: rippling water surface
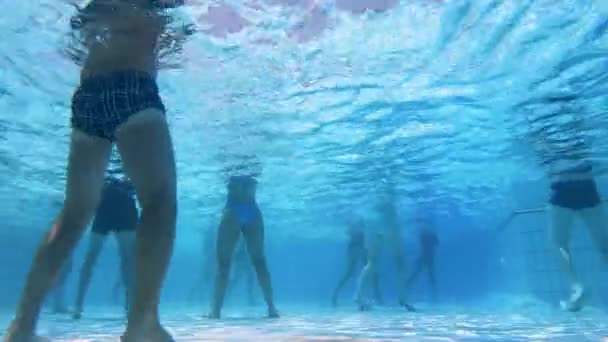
point(435, 94)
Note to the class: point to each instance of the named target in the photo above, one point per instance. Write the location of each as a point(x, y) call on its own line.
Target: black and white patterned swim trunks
point(102, 103)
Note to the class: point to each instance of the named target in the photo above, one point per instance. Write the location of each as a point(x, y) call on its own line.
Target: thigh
point(373, 244)
point(126, 242)
point(87, 165)
point(393, 235)
point(561, 221)
point(254, 236)
point(96, 242)
point(227, 236)
point(596, 222)
point(146, 149)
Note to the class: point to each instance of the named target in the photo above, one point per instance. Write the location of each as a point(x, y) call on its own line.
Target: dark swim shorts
point(102, 103)
point(116, 212)
point(575, 195)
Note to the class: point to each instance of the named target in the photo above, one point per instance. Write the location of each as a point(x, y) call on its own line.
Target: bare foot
point(575, 302)
point(363, 305)
point(77, 314)
point(273, 313)
point(407, 306)
point(157, 334)
point(213, 315)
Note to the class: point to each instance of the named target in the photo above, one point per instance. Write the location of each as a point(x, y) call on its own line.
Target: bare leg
point(416, 272)
point(394, 238)
point(227, 238)
point(597, 223)
point(126, 249)
point(86, 271)
point(373, 248)
point(377, 292)
point(209, 274)
point(254, 236)
point(86, 167)
point(234, 278)
point(432, 280)
point(561, 224)
point(362, 284)
point(250, 283)
point(59, 288)
point(351, 261)
point(145, 145)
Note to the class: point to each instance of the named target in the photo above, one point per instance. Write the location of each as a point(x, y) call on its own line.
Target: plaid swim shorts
point(102, 103)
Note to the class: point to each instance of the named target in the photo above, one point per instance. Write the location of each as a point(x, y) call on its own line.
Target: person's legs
point(351, 266)
point(596, 221)
point(418, 265)
point(146, 149)
point(250, 283)
point(561, 220)
point(86, 271)
point(238, 269)
point(209, 274)
point(227, 237)
point(373, 248)
point(377, 292)
point(126, 250)
point(430, 264)
point(86, 168)
point(394, 239)
point(234, 278)
point(59, 288)
point(254, 236)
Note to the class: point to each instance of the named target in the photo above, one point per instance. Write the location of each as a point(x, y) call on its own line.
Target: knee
point(161, 203)
point(223, 265)
point(74, 218)
point(259, 262)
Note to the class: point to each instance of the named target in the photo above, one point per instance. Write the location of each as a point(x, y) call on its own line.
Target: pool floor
point(437, 323)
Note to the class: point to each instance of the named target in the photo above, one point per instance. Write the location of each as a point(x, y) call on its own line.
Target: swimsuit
point(116, 211)
point(102, 103)
point(246, 212)
point(575, 194)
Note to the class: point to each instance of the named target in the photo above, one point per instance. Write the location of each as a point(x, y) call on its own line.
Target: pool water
point(531, 322)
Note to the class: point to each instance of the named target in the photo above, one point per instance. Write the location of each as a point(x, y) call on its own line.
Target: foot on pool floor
point(407, 306)
point(273, 313)
point(213, 315)
point(363, 305)
point(76, 315)
point(157, 334)
point(575, 302)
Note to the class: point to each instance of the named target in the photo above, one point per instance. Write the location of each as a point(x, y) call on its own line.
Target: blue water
point(441, 323)
point(426, 91)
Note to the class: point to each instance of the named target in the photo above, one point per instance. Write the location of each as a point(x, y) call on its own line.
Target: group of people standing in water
point(363, 248)
point(117, 102)
point(230, 258)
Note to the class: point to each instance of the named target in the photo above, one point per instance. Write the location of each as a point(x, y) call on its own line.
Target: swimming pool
point(445, 100)
point(531, 322)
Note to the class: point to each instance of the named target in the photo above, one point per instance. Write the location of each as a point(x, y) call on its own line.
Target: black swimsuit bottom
point(575, 195)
